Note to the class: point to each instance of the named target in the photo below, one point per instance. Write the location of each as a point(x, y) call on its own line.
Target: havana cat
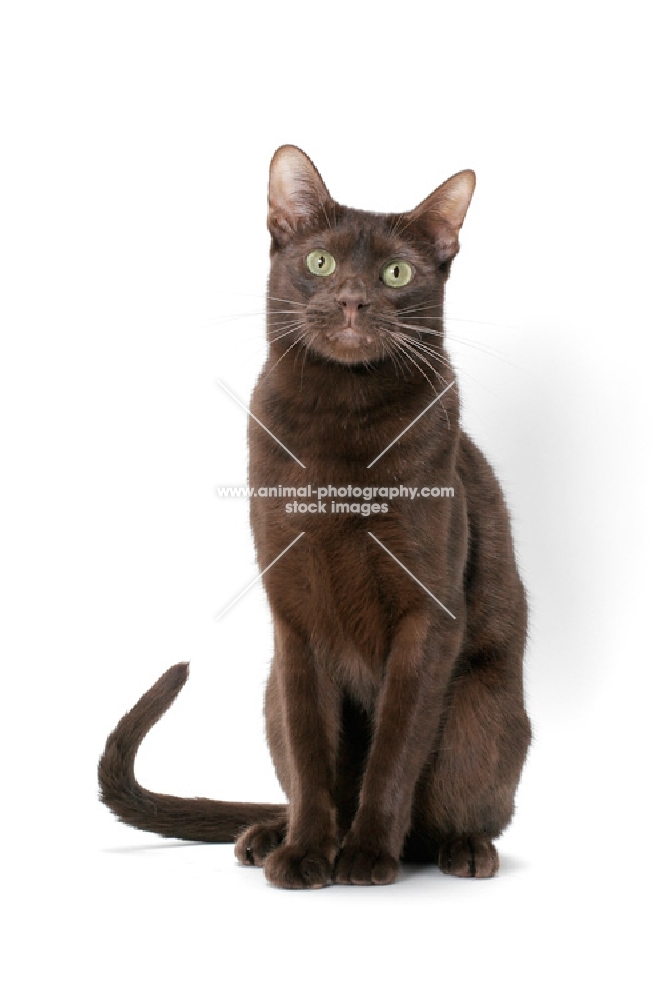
point(394, 706)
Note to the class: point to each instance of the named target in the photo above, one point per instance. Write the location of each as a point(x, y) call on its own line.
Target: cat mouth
point(349, 338)
point(348, 346)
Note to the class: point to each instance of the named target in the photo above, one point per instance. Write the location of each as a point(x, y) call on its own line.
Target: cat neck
point(315, 385)
point(348, 414)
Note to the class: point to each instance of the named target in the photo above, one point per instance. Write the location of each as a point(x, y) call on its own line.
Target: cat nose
point(352, 297)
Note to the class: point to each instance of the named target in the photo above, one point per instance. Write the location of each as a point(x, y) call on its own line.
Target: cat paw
point(294, 867)
point(361, 866)
point(256, 843)
point(474, 856)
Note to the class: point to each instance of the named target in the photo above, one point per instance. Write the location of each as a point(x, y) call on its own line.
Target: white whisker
point(284, 354)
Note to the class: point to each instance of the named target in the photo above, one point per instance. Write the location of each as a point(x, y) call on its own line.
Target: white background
point(136, 140)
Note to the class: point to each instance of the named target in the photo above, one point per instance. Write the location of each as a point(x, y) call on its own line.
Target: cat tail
point(168, 815)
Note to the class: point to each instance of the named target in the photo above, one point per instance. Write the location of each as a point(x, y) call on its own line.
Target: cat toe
point(473, 856)
point(359, 866)
point(294, 867)
point(258, 841)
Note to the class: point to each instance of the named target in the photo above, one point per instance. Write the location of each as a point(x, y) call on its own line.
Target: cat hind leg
point(465, 798)
point(473, 856)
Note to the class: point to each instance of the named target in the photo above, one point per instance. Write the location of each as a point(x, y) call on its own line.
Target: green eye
point(321, 262)
point(397, 273)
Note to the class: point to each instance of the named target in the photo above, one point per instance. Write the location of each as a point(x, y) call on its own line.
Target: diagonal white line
point(410, 425)
point(415, 578)
point(256, 419)
point(257, 578)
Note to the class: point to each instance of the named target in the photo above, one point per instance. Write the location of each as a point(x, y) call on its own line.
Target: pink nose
point(352, 297)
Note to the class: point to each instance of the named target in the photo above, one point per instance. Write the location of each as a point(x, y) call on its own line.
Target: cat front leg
point(310, 714)
point(406, 721)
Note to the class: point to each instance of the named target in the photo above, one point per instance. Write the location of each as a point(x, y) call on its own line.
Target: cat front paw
point(359, 865)
point(258, 841)
point(294, 867)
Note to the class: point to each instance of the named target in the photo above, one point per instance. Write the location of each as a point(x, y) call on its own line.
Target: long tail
point(188, 819)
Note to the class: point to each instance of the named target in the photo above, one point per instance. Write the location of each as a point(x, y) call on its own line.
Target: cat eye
point(397, 273)
point(321, 262)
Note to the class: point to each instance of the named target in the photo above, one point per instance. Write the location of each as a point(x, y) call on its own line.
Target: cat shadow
point(409, 871)
point(168, 846)
point(552, 473)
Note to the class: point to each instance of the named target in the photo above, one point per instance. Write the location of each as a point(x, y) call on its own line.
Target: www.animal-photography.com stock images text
point(333, 443)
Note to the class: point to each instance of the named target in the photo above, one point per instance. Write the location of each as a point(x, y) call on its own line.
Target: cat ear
point(297, 196)
point(442, 213)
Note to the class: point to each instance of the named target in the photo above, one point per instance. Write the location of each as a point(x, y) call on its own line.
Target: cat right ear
point(297, 196)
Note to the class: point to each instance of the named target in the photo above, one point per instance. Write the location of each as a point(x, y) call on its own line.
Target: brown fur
point(396, 730)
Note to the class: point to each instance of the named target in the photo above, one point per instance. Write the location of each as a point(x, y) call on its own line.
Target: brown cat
point(394, 706)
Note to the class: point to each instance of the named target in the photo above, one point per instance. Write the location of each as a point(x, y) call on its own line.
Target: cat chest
point(335, 586)
point(348, 612)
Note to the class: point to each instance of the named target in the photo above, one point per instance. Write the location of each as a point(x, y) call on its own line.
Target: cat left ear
point(442, 213)
point(297, 196)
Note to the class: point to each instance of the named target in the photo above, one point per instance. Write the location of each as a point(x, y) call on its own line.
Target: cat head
point(350, 285)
